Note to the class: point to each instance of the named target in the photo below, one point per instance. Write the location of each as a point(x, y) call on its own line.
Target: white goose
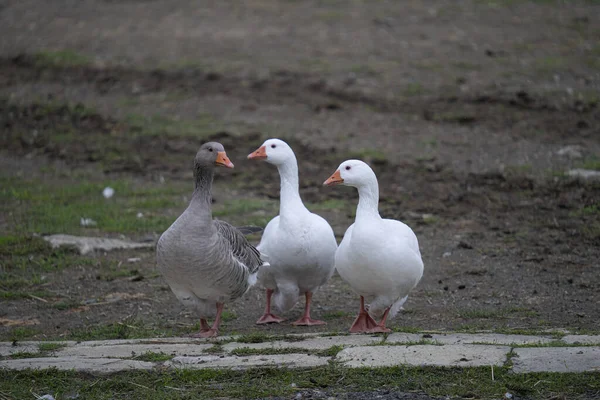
point(299, 245)
point(379, 258)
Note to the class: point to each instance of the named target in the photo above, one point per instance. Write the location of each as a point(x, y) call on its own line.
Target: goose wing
point(241, 249)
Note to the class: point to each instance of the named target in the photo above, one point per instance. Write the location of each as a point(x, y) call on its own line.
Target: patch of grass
point(215, 349)
point(255, 337)
point(60, 58)
point(66, 305)
point(51, 346)
point(330, 352)
point(329, 204)
point(413, 89)
point(228, 316)
point(22, 332)
point(593, 164)
point(46, 208)
point(550, 64)
point(20, 294)
point(277, 382)
point(152, 356)
point(24, 354)
point(247, 351)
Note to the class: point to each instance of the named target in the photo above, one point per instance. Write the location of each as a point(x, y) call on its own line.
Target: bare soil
point(464, 111)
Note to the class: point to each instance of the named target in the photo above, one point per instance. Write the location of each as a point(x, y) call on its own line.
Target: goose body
point(206, 262)
point(379, 258)
point(299, 245)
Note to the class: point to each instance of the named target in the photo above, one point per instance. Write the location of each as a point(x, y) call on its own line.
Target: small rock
point(108, 192)
point(572, 151)
point(446, 254)
point(140, 215)
point(508, 395)
point(47, 397)
point(585, 174)
point(87, 222)
point(134, 259)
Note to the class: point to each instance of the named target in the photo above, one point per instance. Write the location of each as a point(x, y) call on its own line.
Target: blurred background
point(480, 118)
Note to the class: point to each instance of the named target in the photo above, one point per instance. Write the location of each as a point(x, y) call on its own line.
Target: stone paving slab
point(233, 362)
point(314, 343)
point(452, 349)
point(556, 359)
point(466, 355)
point(487, 338)
point(90, 365)
point(125, 351)
point(582, 339)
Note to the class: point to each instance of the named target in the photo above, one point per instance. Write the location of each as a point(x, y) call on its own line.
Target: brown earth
point(464, 111)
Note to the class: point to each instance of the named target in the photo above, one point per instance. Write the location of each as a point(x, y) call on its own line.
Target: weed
point(277, 382)
point(51, 346)
point(60, 59)
point(152, 356)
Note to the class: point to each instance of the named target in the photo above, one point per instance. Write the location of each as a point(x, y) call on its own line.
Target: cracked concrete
point(571, 353)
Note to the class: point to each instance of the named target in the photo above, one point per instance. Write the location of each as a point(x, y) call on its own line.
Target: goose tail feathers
point(286, 296)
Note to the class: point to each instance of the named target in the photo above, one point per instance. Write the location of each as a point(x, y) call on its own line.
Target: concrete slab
point(90, 365)
point(233, 362)
point(487, 338)
point(581, 339)
point(556, 359)
point(127, 351)
point(313, 343)
point(466, 355)
point(87, 244)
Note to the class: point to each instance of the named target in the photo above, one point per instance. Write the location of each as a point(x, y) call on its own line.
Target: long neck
point(290, 202)
point(202, 197)
point(368, 200)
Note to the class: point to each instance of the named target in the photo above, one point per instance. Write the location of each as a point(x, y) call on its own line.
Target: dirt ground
point(471, 113)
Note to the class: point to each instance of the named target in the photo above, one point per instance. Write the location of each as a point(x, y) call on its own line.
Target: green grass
point(46, 208)
point(550, 64)
point(152, 356)
point(282, 382)
point(247, 351)
point(593, 164)
point(51, 346)
point(413, 89)
point(60, 58)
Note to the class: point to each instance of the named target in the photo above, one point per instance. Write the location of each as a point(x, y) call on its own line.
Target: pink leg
point(267, 317)
point(380, 328)
point(205, 330)
point(363, 322)
point(306, 320)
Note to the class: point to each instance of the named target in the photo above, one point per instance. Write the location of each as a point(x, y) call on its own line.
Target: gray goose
point(206, 262)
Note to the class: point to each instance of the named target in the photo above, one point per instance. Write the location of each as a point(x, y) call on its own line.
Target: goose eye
point(348, 168)
point(273, 146)
point(210, 149)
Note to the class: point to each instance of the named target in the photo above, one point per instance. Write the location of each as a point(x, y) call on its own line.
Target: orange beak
point(222, 160)
point(334, 179)
point(259, 154)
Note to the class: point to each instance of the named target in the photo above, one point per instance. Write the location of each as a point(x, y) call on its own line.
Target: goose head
point(273, 151)
point(354, 173)
point(212, 154)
